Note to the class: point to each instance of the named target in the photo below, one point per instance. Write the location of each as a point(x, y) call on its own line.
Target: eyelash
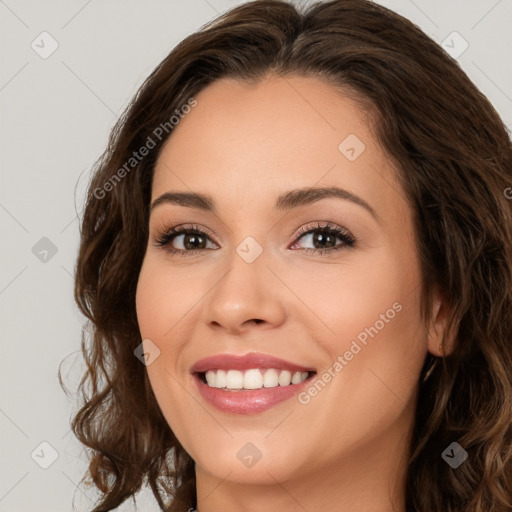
point(349, 241)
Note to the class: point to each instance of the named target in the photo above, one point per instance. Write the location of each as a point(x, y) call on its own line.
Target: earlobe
point(440, 344)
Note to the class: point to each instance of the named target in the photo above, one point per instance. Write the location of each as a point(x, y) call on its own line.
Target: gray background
point(56, 116)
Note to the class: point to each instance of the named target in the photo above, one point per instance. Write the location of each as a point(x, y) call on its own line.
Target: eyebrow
point(286, 201)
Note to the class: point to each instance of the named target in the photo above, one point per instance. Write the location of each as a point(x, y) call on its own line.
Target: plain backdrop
point(56, 113)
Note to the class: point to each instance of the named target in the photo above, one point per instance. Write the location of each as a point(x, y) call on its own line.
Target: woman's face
point(263, 278)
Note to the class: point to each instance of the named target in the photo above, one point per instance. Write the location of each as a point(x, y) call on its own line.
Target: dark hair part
point(453, 159)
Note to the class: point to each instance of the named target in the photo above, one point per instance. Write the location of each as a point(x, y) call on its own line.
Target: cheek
point(372, 329)
point(164, 298)
point(165, 301)
point(371, 290)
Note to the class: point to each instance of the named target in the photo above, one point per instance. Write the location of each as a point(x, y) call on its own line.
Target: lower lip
point(248, 401)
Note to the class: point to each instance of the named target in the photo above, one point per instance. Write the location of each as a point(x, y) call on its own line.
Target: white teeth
point(254, 378)
point(296, 378)
point(285, 378)
point(234, 379)
point(271, 378)
point(220, 382)
point(211, 378)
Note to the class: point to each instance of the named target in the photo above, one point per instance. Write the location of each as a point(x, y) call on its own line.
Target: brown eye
point(323, 238)
point(191, 239)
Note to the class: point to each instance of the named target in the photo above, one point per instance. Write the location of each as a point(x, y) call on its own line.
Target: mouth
point(250, 383)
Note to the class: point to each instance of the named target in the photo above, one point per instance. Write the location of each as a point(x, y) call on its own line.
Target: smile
point(250, 383)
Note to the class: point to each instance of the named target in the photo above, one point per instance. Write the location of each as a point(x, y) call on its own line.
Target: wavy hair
point(453, 158)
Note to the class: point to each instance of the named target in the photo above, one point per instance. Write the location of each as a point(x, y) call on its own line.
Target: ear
point(440, 343)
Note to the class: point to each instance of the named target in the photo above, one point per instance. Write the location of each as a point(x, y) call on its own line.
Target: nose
point(247, 295)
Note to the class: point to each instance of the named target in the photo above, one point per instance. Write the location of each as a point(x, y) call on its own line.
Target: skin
point(347, 448)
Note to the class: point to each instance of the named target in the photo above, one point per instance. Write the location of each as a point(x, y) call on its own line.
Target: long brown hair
point(453, 157)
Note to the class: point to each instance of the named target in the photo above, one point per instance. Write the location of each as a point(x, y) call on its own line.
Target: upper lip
point(246, 362)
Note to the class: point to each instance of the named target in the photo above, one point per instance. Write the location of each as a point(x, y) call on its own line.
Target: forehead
point(244, 140)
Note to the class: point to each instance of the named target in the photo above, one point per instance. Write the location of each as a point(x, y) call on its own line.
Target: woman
point(295, 258)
